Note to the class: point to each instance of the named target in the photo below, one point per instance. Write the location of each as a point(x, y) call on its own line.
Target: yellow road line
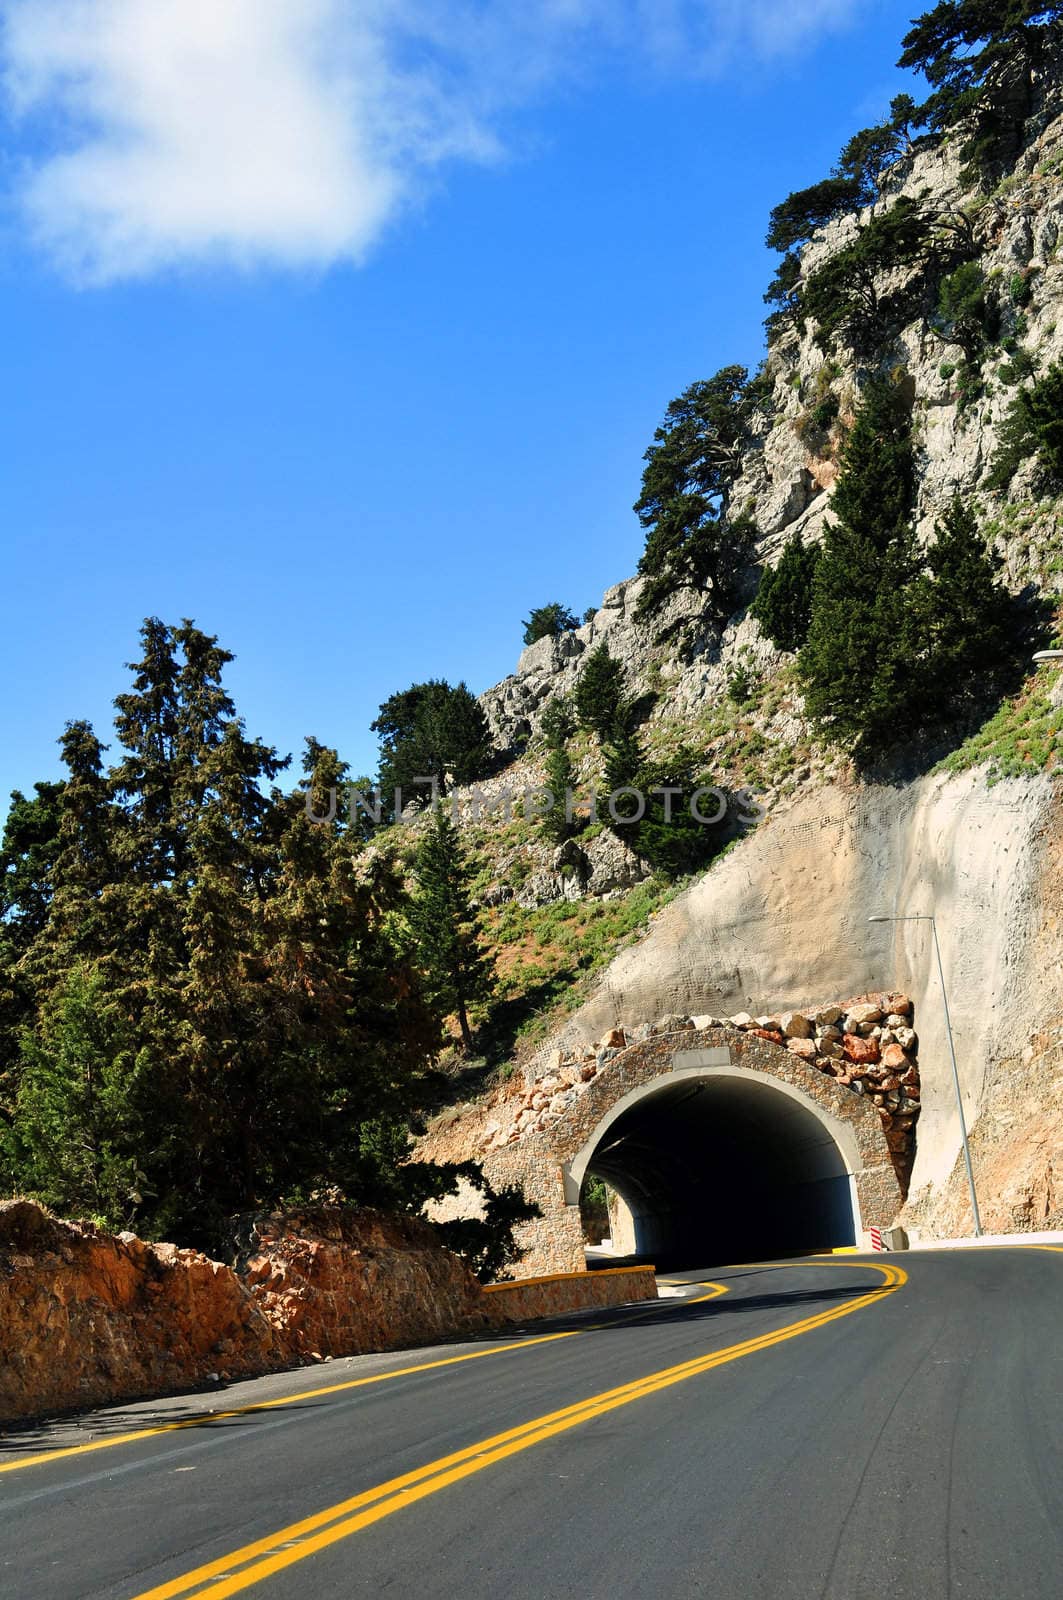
point(204, 1418)
point(654, 1306)
point(268, 1405)
point(716, 1290)
point(265, 1557)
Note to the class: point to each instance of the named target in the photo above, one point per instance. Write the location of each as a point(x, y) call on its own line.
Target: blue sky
point(359, 409)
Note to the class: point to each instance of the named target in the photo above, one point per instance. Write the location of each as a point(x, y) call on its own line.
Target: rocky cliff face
point(790, 465)
point(782, 919)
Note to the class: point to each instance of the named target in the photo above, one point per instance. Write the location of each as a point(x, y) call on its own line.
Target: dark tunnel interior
point(724, 1169)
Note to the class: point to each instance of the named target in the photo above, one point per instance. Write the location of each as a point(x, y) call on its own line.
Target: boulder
point(827, 1016)
point(673, 1024)
point(771, 1034)
point(862, 1016)
point(615, 1039)
point(860, 1051)
point(894, 1058)
point(805, 1049)
point(742, 1019)
point(796, 1025)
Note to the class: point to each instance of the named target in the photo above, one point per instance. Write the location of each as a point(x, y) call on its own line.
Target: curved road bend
point(848, 1429)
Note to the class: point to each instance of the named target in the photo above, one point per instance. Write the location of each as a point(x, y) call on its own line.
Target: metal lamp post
point(926, 917)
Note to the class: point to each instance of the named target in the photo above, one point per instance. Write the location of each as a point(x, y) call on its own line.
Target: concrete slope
point(781, 921)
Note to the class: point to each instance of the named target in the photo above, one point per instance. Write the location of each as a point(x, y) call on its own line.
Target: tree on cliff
point(549, 622)
point(458, 969)
point(971, 624)
point(1033, 427)
point(694, 460)
point(599, 695)
point(783, 605)
point(431, 730)
point(560, 773)
point(856, 662)
point(982, 59)
point(900, 640)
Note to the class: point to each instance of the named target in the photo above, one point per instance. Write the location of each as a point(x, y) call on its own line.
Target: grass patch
point(1022, 737)
point(547, 958)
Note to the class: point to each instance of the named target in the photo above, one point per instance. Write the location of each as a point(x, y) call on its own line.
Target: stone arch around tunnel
point(550, 1164)
point(713, 1160)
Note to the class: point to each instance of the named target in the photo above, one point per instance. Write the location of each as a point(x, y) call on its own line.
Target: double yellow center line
point(251, 1563)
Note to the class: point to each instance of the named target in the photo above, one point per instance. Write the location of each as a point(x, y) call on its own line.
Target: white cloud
point(291, 132)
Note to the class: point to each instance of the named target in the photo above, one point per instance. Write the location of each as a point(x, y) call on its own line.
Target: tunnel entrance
point(718, 1167)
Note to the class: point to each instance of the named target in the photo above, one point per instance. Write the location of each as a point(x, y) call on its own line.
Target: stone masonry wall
point(562, 1292)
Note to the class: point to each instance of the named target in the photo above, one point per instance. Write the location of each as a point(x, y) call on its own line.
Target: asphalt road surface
point(841, 1429)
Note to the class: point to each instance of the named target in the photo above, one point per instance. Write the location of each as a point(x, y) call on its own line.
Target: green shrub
point(549, 622)
point(1033, 426)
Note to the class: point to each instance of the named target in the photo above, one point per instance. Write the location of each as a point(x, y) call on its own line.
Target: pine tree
point(81, 1133)
point(443, 923)
point(549, 622)
point(560, 773)
point(857, 662)
point(783, 605)
point(27, 853)
point(968, 619)
point(431, 731)
point(218, 1001)
point(900, 640)
point(599, 695)
point(982, 59)
point(694, 459)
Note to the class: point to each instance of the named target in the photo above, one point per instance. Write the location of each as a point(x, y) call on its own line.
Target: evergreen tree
point(458, 970)
point(273, 1024)
point(900, 640)
point(27, 852)
point(431, 730)
point(549, 622)
point(81, 922)
point(81, 1133)
point(856, 664)
point(982, 59)
point(599, 695)
point(968, 619)
point(783, 605)
point(795, 219)
point(690, 467)
point(871, 153)
point(846, 293)
point(1032, 427)
point(560, 771)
